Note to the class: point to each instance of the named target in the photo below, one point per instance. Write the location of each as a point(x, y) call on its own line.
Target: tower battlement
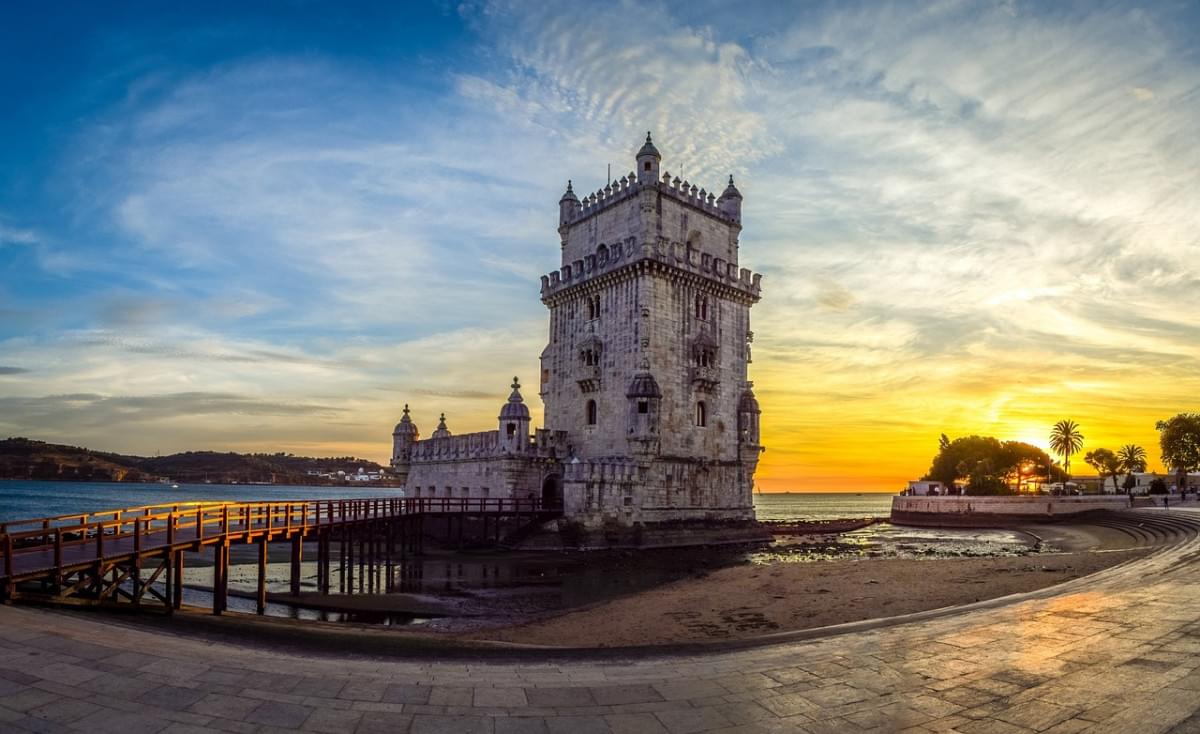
point(614, 260)
point(628, 186)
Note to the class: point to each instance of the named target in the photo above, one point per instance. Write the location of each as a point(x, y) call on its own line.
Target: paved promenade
point(1115, 652)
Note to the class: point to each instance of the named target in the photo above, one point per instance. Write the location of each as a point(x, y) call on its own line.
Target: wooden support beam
point(342, 559)
point(261, 607)
point(323, 561)
point(169, 581)
point(220, 578)
point(297, 556)
point(177, 588)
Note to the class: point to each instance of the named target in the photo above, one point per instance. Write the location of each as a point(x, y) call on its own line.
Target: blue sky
point(266, 226)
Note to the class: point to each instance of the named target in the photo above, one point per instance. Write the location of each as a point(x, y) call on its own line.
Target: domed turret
point(648, 159)
point(515, 408)
point(643, 385)
point(731, 201)
point(406, 427)
point(403, 437)
point(567, 205)
point(514, 421)
point(441, 431)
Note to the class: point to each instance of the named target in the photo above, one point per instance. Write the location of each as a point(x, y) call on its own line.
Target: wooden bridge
point(123, 555)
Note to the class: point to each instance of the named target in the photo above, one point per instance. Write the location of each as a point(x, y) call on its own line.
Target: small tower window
point(701, 414)
point(702, 308)
point(510, 429)
point(646, 166)
point(593, 307)
point(591, 412)
point(643, 406)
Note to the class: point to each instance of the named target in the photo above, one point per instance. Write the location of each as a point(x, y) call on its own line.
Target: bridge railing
point(169, 524)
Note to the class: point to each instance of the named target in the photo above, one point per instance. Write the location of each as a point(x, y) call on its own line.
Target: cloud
point(15, 236)
point(7, 370)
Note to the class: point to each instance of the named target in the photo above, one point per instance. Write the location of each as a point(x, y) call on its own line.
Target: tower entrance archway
point(552, 492)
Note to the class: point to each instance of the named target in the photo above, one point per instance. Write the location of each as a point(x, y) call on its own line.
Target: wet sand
point(740, 602)
point(811, 576)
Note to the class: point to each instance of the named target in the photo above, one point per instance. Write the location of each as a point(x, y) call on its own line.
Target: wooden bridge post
point(342, 559)
point(137, 561)
point(9, 585)
point(261, 606)
point(372, 565)
point(323, 560)
point(177, 589)
point(350, 559)
point(220, 577)
point(297, 556)
point(391, 546)
point(360, 553)
point(169, 581)
point(58, 561)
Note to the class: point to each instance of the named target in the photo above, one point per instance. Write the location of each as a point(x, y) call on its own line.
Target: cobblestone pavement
point(1114, 652)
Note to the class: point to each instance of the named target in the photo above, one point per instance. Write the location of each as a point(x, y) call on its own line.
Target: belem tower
point(649, 415)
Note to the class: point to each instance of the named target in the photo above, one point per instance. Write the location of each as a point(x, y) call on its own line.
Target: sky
point(268, 226)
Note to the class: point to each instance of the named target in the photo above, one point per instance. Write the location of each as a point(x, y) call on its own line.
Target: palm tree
point(1065, 440)
point(1132, 457)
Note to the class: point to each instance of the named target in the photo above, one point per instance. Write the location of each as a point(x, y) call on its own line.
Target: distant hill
point(23, 458)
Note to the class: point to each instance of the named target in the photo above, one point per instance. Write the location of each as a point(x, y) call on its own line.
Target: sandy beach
point(799, 582)
point(734, 603)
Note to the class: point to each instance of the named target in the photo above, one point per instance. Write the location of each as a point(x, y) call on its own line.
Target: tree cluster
point(1179, 439)
point(990, 466)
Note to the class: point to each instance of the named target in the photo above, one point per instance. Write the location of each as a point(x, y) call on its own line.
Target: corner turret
point(748, 417)
point(514, 421)
point(645, 400)
point(403, 437)
point(568, 205)
point(731, 201)
point(648, 159)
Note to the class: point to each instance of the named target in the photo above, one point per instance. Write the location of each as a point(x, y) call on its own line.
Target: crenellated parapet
point(481, 445)
point(621, 257)
point(573, 211)
point(486, 445)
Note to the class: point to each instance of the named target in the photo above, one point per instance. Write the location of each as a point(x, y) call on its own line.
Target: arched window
point(591, 412)
point(701, 414)
point(702, 308)
point(593, 307)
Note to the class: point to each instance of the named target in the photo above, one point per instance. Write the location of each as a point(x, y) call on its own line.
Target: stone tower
point(646, 366)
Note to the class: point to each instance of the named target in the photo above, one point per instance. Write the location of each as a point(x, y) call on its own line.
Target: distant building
point(649, 414)
point(924, 487)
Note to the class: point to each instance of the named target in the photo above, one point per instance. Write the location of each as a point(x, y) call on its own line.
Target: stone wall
point(989, 511)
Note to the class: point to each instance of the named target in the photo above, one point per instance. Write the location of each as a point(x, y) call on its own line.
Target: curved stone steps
point(1149, 528)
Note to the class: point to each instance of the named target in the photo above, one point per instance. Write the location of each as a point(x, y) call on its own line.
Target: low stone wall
point(568, 535)
point(997, 511)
